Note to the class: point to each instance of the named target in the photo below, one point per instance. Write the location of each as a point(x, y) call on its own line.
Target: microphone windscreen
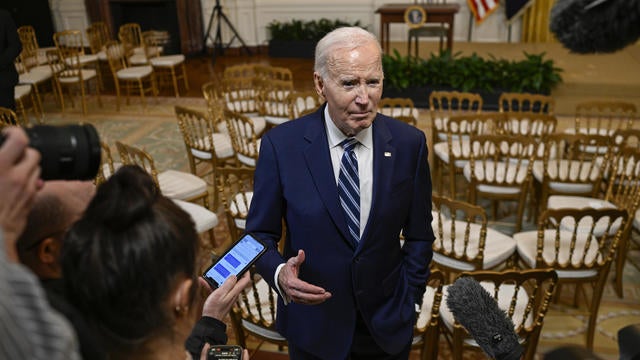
point(478, 312)
point(595, 26)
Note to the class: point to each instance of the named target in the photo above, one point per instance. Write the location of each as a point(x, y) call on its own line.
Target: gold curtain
point(535, 22)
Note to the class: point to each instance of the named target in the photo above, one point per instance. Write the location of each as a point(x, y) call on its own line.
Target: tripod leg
point(235, 33)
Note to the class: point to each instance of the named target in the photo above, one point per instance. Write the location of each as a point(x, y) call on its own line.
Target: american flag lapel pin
point(387, 154)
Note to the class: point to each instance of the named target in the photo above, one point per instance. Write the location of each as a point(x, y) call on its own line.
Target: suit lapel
point(383, 165)
point(318, 161)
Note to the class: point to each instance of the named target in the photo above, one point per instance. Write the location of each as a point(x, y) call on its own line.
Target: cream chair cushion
point(204, 219)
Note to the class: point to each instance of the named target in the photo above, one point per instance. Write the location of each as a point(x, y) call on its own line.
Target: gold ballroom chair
point(426, 332)
point(452, 154)
point(181, 187)
point(570, 165)
point(69, 41)
point(38, 76)
point(304, 102)
point(402, 109)
point(622, 192)
point(69, 76)
point(168, 68)
point(235, 188)
point(579, 244)
point(524, 295)
point(26, 100)
point(526, 102)
point(603, 117)
point(129, 78)
point(8, 118)
point(499, 168)
point(464, 242)
point(207, 149)
point(244, 138)
point(29, 41)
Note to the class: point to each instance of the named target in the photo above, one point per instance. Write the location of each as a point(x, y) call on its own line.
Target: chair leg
point(185, 77)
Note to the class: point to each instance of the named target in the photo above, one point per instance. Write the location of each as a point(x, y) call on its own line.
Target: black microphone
point(478, 312)
point(595, 26)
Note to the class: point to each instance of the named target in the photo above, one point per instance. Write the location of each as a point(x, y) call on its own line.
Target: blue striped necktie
point(349, 188)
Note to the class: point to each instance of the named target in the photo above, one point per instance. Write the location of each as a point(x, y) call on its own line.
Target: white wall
point(251, 17)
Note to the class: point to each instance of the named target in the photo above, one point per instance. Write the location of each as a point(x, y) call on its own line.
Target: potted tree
point(407, 76)
point(298, 38)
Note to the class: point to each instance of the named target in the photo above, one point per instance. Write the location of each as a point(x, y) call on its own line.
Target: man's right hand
point(299, 291)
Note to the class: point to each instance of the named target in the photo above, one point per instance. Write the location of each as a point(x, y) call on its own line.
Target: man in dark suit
point(348, 288)
point(10, 48)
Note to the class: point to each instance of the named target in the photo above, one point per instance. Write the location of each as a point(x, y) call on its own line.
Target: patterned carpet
point(155, 129)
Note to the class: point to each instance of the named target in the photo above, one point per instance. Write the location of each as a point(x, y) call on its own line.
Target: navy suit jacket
point(294, 181)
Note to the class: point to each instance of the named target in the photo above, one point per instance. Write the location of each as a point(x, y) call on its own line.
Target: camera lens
point(70, 152)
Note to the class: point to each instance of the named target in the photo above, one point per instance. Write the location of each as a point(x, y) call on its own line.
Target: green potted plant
point(407, 76)
point(298, 38)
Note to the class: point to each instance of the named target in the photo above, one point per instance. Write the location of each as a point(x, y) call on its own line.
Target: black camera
point(69, 152)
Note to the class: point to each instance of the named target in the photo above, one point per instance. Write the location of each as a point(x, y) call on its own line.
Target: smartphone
point(235, 261)
point(224, 352)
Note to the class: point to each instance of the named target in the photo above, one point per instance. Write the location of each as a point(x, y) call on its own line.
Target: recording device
point(477, 311)
point(595, 26)
point(224, 352)
point(235, 261)
point(70, 152)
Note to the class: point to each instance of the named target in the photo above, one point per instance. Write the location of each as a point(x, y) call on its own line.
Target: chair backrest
point(527, 123)
point(235, 189)
point(576, 158)
point(579, 239)
point(8, 118)
point(67, 65)
point(399, 108)
point(604, 117)
point(69, 40)
point(215, 104)
point(518, 102)
point(116, 55)
point(268, 72)
point(524, 296)
point(499, 160)
point(242, 71)
point(28, 39)
point(255, 311)
point(443, 104)
point(273, 97)
point(461, 231)
point(304, 102)
point(243, 137)
point(98, 34)
point(623, 179)
point(197, 130)
point(131, 155)
point(426, 332)
point(107, 164)
point(240, 95)
point(130, 35)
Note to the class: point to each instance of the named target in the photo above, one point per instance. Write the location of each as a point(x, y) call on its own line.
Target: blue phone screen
point(235, 260)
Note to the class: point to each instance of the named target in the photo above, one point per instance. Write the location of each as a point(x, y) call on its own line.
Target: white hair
point(340, 38)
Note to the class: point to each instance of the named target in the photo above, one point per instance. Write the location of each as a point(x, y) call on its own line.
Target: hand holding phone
point(235, 261)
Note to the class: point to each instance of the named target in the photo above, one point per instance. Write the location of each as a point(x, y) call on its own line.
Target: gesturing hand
point(297, 290)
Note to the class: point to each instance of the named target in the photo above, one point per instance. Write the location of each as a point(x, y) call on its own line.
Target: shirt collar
point(335, 136)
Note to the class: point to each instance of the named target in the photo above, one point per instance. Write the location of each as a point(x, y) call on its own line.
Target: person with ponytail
point(129, 266)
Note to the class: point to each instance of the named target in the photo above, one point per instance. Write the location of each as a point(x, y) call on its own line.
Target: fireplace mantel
point(189, 13)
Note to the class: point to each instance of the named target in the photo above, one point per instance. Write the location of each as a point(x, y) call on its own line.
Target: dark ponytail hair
point(121, 260)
